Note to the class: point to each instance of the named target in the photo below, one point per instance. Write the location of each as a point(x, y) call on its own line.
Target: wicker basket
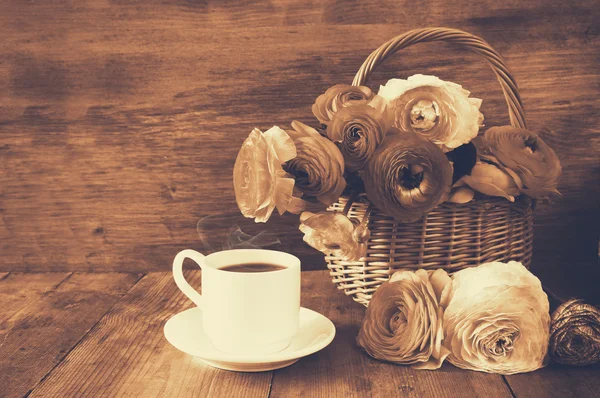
point(451, 236)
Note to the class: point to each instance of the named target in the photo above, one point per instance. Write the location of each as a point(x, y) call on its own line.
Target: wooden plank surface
point(120, 122)
point(126, 354)
point(557, 382)
point(43, 316)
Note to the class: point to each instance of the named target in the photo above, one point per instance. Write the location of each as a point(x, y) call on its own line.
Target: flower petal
point(332, 232)
point(281, 142)
point(284, 187)
point(461, 195)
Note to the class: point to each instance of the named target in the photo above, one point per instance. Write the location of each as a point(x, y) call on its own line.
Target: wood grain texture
point(344, 370)
point(126, 354)
point(120, 121)
point(557, 382)
point(43, 316)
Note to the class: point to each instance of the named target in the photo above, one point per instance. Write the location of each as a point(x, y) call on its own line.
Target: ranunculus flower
point(403, 323)
point(360, 128)
point(337, 97)
point(497, 319)
point(438, 111)
point(575, 334)
point(333, 232)
point(407, 176)
point(259, 181)
point(525, 153)
point(494, 181)
point(318, 167)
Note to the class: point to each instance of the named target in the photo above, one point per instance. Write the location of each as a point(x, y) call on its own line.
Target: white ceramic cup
point(245, 312)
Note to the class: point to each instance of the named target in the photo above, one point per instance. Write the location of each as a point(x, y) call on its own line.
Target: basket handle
point(472, 42)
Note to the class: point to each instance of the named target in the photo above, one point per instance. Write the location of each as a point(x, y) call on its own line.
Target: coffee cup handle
point(182, 284)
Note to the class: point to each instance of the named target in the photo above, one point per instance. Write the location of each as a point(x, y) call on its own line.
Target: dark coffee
point(252, 267)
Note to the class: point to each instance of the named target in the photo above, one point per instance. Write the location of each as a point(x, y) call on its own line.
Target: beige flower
point(360, 128)
point(259, 181)
point(318, 167)
point(337, 97)
point(407, 176)
point(494, 181)
point(497, 319)
point(403, 323)
point(333, 232)
point(438, 111)
point(525, 153)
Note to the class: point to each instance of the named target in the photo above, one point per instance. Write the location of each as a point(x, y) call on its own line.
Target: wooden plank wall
point(120, 121)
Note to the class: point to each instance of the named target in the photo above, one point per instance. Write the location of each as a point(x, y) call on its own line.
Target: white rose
point(438, 111)
point(497, 319)
point(259, 181)
point(333, 232)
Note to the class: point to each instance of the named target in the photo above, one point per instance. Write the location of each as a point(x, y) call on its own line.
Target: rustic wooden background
point(120, 120)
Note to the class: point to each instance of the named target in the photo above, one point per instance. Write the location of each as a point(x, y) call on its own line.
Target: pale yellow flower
point(334, 233)
point(438, 111)
point(497, 319)
point(404, 321)
point(259, 181)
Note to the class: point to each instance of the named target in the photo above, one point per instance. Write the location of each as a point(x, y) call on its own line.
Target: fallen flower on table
point(575, 334)
point(259, 180)
point(334, 233)
point(436, 110)
point(404, 320)
point(497, 319)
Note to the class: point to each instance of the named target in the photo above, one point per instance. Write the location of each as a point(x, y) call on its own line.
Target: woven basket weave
point(451, 236)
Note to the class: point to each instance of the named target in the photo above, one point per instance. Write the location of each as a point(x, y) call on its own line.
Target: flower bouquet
point(409, 175)
point(426, 209)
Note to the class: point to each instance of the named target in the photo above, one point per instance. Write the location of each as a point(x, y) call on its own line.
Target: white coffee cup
point(245, 312)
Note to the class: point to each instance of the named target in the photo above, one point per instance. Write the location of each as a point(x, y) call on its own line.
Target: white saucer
point(185, 332)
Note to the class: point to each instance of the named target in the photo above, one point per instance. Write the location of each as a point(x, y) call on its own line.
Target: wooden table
point(83, 334)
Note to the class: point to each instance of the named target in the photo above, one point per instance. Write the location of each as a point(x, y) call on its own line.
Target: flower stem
point(349, 203)
point(365, 219)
